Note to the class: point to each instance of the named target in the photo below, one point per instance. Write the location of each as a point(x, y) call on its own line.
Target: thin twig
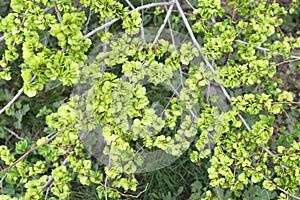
point(288, 118)
point(208, 92)
point(178, 95)
point(13, 133)
point(187, 25)
point(175, 47)
point(213, 20)
point(89, 18)
point(189, 3)
point(23, 21)
point(233, 11)
point(106, 177)
point(163, 24)
point(22, 24)
point(51, 179)
point(195, 115)
point(96, 30)
point(57, 12)
point(106, 29)
point(3, 178)
point(286, 102)
point(130, 4)
point(53, 87)
point(185, 21)
point(20, 92)
point(287, 193)
point(264, 49)
point(100, 28)
point(48, 190)
point(127, 195)
point(165, 108)
point(287, 61)
point(279, 188)
point(47, 9)
point(171, 31)
point(49, 182)
point(142, 26)
point(35, 148)
point(142, 29)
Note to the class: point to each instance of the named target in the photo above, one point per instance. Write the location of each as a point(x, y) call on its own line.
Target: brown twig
point(233, 11)
point(106, 177)
point(35, 148)
point(287, 61)
point(51, 179)
point(127, 195)
point(286, 102)
point(279, 188)
point(13, 133)
point(57, 12)
point(288, 117)
point(20, 92)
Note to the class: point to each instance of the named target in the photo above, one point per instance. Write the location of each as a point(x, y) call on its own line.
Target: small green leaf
point(21, 146)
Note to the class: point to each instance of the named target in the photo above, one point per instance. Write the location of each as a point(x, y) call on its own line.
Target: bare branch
point(264, 49)
point(130, 4)
point(127, 195)
point(57, 13)
point(189, 3)
point(3, 178)
point(20, 92)
point(106, 29)
point(45, 10)
point(13, 133)
point(89, 18)
point(171, 31)
point(187, 25)
point(142, 26)
point(279, 188)
point(51, 179)
point(100, 28)
point(165, 108)
point(174, 44)
point(48, 190)
point(208, 92)
point(49, 182)
point(106, 177)
point(23, 21)
point(142, 30)
point(163, 24)
point(35, 148)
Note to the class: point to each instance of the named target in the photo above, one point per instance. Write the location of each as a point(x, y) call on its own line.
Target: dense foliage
point(89, 99)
